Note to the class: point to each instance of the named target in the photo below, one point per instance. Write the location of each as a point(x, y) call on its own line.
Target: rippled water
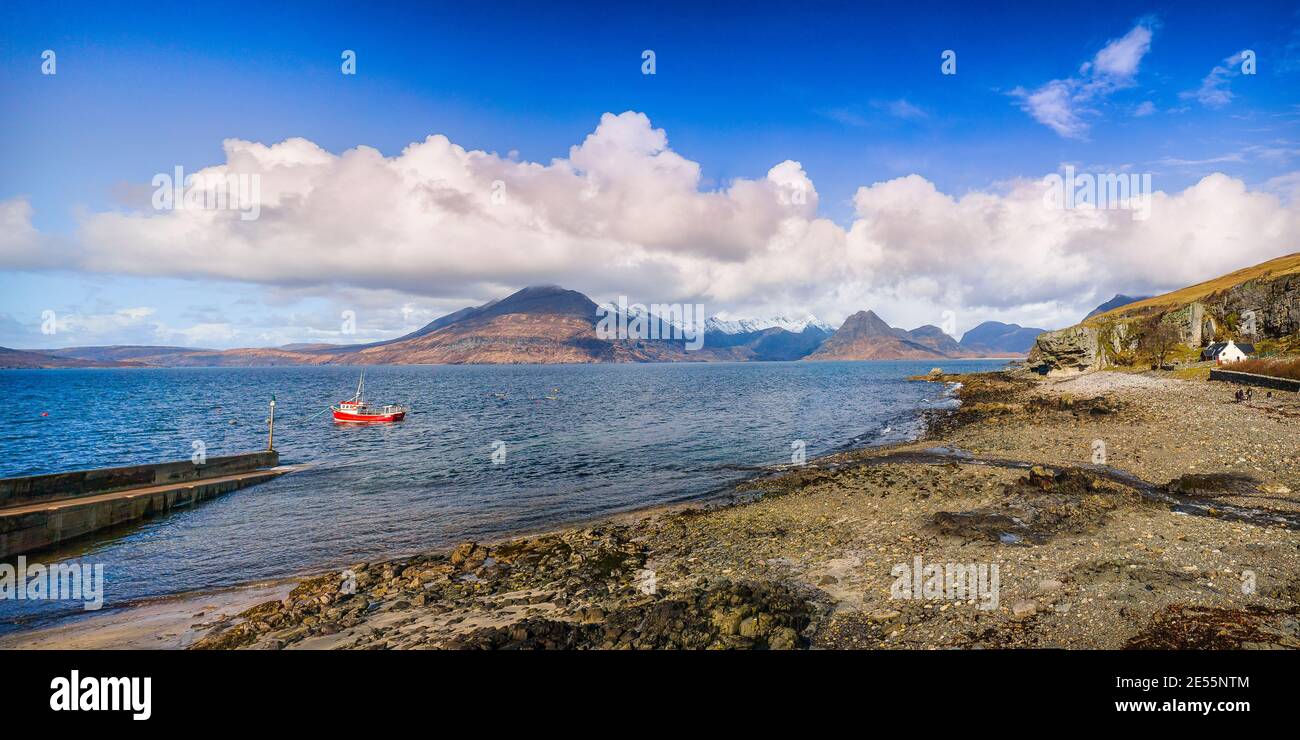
point(581, 441)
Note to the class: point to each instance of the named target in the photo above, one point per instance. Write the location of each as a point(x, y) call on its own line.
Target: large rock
point(1071, 350)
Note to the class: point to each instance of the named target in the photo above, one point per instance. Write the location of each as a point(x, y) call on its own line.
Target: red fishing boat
point(356, 410)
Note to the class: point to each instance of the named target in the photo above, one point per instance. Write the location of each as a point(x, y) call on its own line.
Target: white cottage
point(1225, 353)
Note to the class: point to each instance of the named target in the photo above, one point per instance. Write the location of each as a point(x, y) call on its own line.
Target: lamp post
point(270, 434)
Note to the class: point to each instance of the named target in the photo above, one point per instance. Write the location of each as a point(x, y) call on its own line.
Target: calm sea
point(580, 441)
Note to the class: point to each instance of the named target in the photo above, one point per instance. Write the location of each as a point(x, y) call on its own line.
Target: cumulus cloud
point(1061, 105)
point(21, 245)
point(624, 214)
point(437, 216)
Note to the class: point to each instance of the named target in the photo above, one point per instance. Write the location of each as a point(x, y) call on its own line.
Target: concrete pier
point(41, 511)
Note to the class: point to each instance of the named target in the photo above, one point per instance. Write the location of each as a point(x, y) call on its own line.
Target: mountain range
point(749, 326)
point(866, 336)
point(549, 324)
point(1119, 300)
point(993, 337)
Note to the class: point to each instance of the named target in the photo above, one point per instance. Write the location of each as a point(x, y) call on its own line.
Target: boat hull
point(347, 418)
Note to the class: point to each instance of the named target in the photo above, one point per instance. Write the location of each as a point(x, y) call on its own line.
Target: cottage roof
point(1218, 347)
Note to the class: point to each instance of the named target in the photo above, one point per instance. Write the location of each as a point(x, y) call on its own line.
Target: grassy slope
point(1284, 265)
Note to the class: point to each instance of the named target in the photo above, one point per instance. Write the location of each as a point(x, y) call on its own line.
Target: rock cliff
point(1257, 304)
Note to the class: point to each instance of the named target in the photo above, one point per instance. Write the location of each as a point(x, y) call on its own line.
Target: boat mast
point(361, 384)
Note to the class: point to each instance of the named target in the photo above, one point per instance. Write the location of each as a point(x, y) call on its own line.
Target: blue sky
point(852, 92)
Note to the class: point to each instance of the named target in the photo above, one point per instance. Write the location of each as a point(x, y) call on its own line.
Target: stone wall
point(1260, 381)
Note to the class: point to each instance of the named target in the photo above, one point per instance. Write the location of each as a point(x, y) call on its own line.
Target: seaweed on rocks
point(1214, 485)
point(744, 615)
point(1187, 627)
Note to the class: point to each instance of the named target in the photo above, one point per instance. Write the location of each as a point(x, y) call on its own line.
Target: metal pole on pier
point(270, 434)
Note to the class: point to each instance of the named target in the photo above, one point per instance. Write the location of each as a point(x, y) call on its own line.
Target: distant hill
point(933, 337)
point(241, 357)
point(1119, 300)
point(865, 336)
point(548, 324)
point(121, 352)
point(539, 324)
point(773, 343)
point(997, 338)
point(308, 346)
point(14, 359)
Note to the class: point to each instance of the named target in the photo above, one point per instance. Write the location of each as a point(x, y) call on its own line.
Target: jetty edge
point(41, 511)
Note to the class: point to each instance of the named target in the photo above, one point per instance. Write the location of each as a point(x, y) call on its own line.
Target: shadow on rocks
point(1040, 506)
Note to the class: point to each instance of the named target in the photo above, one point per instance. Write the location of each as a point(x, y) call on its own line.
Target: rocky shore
point(1109, 510)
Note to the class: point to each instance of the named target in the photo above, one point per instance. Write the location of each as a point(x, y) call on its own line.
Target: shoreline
point(725, 581)
point(14, 634)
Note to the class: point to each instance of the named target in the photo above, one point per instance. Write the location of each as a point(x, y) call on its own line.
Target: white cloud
point(1286, 187)
point(624, 214)
point(1062, 104)
point(1120, 58)
point(1054, 105)
point(1215, 90)
point(862, 116)
point(1183, 162)
point(97, 323)
point(21, 245)
point(903, 109)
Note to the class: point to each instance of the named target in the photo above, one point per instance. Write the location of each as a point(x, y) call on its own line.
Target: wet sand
point(170, 623)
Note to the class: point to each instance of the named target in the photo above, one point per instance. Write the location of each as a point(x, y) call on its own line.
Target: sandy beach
point(1109, 510)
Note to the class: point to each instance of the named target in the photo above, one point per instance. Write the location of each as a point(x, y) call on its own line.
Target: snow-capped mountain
point(724, 325)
